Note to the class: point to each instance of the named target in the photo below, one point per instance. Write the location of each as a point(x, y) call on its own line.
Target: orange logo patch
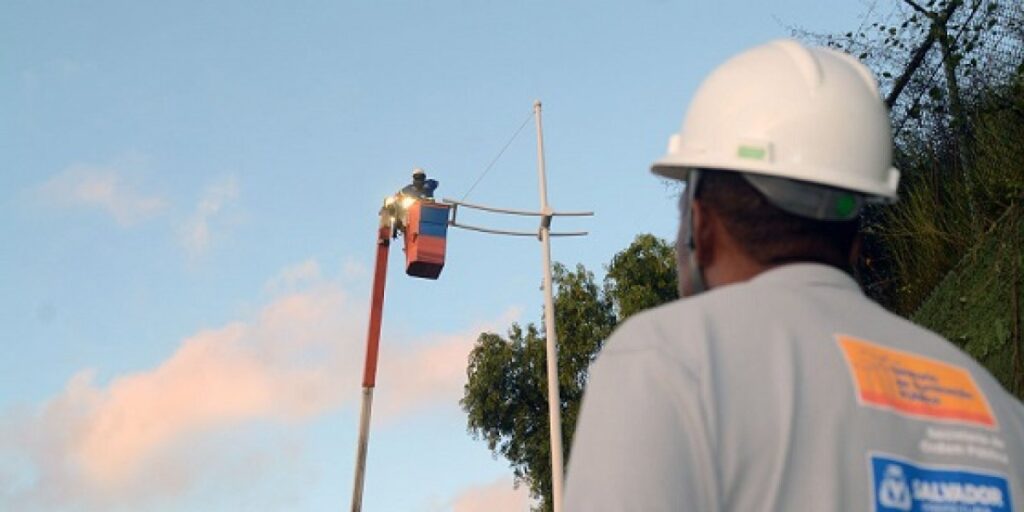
point(914, 385)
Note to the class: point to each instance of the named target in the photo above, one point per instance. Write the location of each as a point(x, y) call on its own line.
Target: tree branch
point(908, 72)
point(919, 9)
point(922, 50)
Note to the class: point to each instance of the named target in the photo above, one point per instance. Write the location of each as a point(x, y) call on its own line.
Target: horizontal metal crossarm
point(491, 231)
point(511, 233)
point(515, 212)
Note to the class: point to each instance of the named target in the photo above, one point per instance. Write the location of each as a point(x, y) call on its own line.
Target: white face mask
point(690, 275)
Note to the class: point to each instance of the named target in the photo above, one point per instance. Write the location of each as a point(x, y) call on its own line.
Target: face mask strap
point(693, 270)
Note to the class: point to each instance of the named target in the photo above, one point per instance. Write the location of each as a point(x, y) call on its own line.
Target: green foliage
point(999, 147)
point(505, 397)
point(979, 305)
point(951, 72)
point(948, 255)
point(976, 302)
point(642, 276)
point(933, 58)
point(953, 198)
point(925, 233)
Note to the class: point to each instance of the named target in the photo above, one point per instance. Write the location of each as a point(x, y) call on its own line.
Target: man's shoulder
point(690, 314)
point(672, 331)
point(646, 328)
point(732, 314)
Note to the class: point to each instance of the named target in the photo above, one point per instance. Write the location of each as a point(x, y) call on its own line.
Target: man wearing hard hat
point(776, 384)
point(421, 187)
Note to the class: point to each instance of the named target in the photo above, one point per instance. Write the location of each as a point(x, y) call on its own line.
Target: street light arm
point(515, 212)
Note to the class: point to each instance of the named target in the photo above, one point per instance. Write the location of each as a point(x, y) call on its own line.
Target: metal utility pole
point(384, 231)
point(554, 402)
point(544, 234)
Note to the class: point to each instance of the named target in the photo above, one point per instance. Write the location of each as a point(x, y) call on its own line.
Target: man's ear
point(703, 233)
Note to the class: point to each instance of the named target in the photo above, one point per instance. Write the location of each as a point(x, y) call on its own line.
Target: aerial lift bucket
point(425, 238)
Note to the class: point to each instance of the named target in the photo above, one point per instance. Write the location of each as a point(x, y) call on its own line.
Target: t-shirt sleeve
point(641, 441)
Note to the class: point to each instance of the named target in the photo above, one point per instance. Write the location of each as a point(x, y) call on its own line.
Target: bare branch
point(919, 9)
point(908, 72)
point(938, 22)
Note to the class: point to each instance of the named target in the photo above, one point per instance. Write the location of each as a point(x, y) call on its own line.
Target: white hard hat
point(418, 172)
point(787, 111)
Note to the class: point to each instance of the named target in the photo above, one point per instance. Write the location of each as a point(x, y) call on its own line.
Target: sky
point(188, 205)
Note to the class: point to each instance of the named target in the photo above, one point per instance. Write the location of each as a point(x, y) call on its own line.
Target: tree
point(947, 255)
point(505, 396)
point(642, 276)
point(945, 68)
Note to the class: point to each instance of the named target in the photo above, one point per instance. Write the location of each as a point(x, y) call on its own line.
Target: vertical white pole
point(364, 436)
point(554, 402)
point(380, 274)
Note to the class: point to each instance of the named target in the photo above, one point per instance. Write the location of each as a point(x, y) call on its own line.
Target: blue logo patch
point(909, 487)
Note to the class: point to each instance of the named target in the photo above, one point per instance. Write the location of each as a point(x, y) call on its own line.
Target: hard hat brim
point(673, 169)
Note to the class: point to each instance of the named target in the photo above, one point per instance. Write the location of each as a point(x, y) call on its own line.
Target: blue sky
point(188, 199)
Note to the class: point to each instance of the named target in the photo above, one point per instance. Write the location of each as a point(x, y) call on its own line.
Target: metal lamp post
point(544, 234)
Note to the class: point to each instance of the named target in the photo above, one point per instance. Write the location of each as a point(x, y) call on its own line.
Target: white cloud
point(123, 443)
point(497, 496)
point(353, 269)
point(295, 276)
point(110, 189)
point(195, 234)
point(102, 187)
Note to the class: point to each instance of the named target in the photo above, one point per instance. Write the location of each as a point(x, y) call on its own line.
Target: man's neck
point(733, 267)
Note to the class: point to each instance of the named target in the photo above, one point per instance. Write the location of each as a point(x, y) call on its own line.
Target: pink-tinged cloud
point(431, 371)
point(497, 496)
point(295, 277)
point(102, 187)
point(120, 444)
point(195, 234)
point(92, 442)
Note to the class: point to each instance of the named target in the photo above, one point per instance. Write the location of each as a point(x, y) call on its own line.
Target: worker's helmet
point(805, 126)
point(418, 174)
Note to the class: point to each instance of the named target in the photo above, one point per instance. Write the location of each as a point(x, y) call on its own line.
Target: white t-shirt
point(794, 392)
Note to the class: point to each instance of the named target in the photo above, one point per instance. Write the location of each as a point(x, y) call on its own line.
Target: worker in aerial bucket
point(421, 187)
point(397, 206)
point(775, 384)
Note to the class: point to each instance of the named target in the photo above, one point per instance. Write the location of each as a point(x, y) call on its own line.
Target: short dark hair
point(768, 234)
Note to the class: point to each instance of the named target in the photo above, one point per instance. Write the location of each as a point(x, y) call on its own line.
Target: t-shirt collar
point(807, 274)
